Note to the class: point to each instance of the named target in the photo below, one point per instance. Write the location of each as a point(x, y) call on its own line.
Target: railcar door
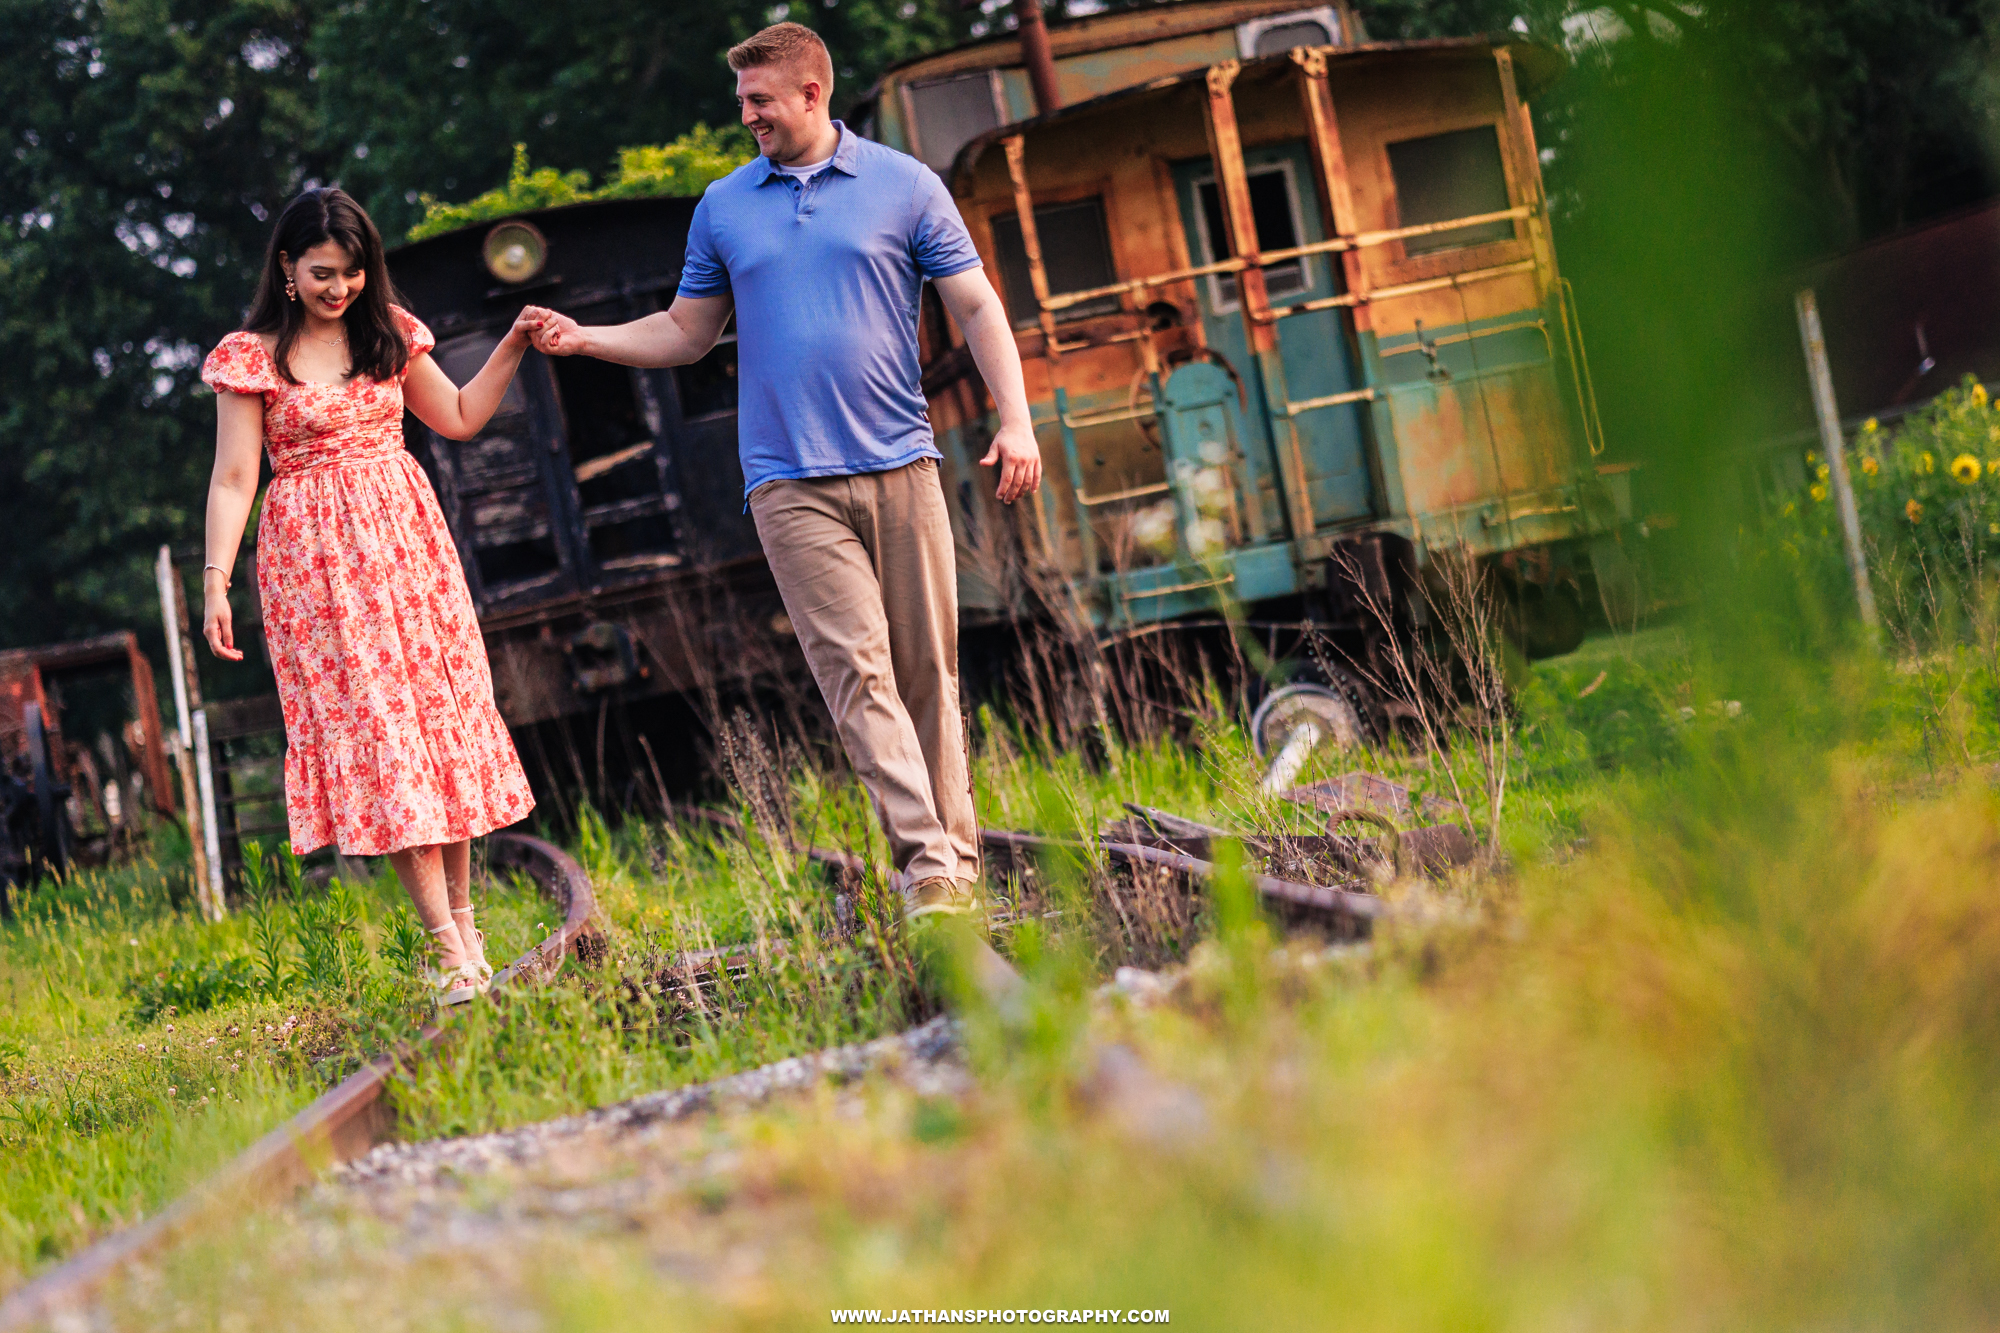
point(1315, 350)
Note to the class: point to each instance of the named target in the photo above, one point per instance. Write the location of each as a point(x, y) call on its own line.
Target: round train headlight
point(515, 251)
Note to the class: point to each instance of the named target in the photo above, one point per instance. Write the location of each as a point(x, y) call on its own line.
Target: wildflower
point(172, 1091)
point(1818, 492)
point(1993, 529)
point(133, 943)
point(211, 1041)
point(1871, 425)
point(1913, 511)
point(1790, 509)
point(142, 1045)
point(170, 1027)
point(1925, 463)
point(1979, 394)
point(1965, 469)
point(1869, 467)
point(1822, 474)
point(1812, 456)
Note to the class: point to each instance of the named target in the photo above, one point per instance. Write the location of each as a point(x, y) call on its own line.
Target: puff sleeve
point(419, 337)
point(239, 364)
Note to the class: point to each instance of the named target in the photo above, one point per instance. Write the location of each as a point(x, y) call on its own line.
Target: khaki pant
point(866, 569)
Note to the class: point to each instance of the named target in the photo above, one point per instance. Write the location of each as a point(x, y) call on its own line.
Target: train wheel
point(1342, 709)
point(52, 820)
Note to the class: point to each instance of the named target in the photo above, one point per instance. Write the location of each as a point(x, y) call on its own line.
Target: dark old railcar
point(600, 514)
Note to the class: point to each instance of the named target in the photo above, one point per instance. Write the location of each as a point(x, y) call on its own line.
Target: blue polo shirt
point(826, 274)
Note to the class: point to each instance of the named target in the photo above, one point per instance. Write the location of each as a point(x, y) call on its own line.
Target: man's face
point(781, 108)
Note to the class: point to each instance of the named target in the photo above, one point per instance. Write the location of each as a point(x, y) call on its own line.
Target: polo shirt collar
point(846, 156)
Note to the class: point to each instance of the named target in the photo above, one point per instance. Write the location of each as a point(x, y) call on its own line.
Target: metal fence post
point(193, 760)
point(1834, 445)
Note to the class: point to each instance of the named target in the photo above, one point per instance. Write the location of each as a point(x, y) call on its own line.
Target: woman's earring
point(291, 290)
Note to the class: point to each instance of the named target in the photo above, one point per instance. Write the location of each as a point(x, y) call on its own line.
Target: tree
point(154, 139)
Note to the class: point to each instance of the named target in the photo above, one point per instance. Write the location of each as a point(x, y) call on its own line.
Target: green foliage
point(189, 986)
point(328, 931)
point(1928, 496)
point(405, 944)
point(684, 167)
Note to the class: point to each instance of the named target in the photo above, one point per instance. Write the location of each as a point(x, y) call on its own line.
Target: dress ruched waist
point(363, 454)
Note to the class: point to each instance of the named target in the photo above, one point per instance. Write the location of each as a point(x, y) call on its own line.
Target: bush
point(184, 986)
point(1928, 495)
point(684, 167)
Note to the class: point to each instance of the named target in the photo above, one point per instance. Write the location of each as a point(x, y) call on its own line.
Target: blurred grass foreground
point(1717, 1046)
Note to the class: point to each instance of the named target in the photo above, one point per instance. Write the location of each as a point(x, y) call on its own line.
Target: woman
point(394, 745)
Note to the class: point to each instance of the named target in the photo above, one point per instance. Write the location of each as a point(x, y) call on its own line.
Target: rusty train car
point(1277, 307)
point(1287, 301)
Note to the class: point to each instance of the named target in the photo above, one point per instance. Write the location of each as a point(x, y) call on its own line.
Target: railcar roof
point(1073, 36)
point(1537, 66)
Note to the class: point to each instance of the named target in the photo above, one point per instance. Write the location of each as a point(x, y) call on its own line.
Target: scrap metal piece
point(1371, 791)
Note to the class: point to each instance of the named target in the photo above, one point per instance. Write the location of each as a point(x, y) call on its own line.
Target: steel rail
point(341, 1124)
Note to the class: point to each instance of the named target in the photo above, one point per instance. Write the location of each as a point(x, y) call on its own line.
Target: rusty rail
point(1360, 908)
point(341, 1124)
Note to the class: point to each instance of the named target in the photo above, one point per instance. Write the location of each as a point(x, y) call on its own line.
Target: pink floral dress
point(392, 736)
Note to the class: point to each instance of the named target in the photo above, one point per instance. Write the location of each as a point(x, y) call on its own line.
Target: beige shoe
point(941, 896)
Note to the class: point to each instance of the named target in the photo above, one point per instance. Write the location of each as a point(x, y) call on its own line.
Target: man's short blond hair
point(790, 46)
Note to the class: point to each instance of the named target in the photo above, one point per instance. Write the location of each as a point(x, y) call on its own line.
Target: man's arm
point(983, 320)
point(682, 333)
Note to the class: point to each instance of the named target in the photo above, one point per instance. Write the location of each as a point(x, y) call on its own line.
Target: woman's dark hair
point(374, 342)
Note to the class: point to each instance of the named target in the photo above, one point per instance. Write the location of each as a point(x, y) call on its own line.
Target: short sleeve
point(239, 364)
point(703, 273)
point(415, 333)
point(938, 240)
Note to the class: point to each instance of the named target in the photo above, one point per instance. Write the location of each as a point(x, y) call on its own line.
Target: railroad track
point(343, 1123)
point(353, 1118)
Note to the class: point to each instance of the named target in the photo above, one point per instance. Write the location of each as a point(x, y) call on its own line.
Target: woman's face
point(329, 279)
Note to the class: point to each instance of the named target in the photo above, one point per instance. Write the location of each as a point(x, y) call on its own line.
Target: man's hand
point(551, 333)
point(1019, 458)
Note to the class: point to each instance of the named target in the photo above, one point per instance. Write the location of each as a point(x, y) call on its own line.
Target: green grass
point(1730, 1063)
point(1733, 952)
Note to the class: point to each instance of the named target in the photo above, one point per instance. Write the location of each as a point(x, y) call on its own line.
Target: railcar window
point(498, 496)
point(1445, 176)
point(949, 113)
point(708, 387)
point(1282, 38)
point(1274, 206)
point(1076, 251)
point(612, 456)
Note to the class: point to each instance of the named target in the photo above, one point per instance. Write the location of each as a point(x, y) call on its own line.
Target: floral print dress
point(392, 736)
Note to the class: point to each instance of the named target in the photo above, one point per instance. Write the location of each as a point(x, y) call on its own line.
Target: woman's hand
point(553, 334)
point(218, 623)
point(519, 337)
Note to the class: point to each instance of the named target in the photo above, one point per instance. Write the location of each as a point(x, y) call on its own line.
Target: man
point(821, 247)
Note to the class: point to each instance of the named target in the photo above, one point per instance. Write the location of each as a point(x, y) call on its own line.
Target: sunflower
point(1912, 510)
point(1869, 467)
point(1871, 425)
point(1979, 394)
point(1965, 469)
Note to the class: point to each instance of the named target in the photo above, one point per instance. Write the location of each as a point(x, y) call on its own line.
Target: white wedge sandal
point(474, 940)
point(454, 986)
